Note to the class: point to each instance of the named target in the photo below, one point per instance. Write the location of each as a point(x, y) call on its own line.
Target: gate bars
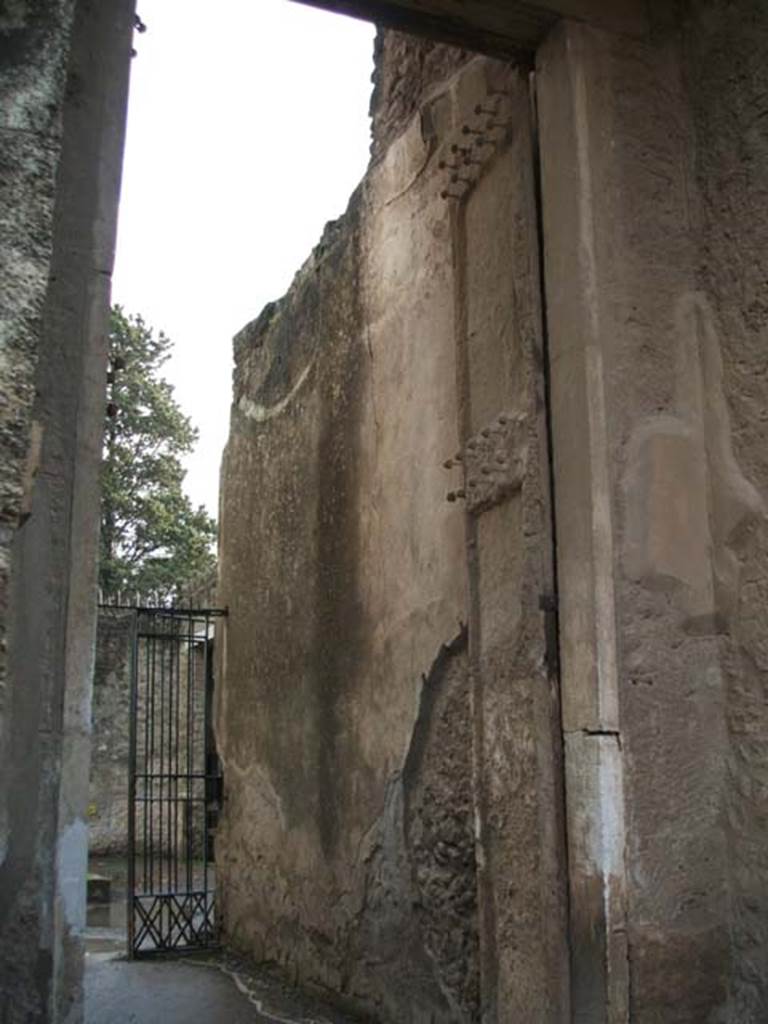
point(174, 785)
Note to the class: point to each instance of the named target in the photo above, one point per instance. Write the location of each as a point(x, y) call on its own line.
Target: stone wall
point(727, 81)
point(63, 86)
point(406, 68)
point(108, 794)
point(389, 781)
point(657, 319)
point(414, 335)
point(35, 53)
point(657, 315)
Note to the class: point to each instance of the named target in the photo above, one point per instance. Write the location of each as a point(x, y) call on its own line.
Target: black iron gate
point(174, 786)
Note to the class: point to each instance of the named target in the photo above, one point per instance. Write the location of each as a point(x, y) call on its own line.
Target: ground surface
point(209, 991)
point(210, 988)
point(120, 992)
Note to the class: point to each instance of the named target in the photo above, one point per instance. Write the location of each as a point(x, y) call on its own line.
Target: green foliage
point(153, 542)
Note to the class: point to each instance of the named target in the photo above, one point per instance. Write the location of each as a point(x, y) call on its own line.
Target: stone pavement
point(187, 991)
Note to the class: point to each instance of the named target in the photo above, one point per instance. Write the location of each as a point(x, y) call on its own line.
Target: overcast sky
point(247, 130)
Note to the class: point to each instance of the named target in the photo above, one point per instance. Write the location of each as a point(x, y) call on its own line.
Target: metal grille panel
point(174, 784)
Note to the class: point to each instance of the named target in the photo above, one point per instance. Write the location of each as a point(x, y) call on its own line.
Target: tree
point(153, 542)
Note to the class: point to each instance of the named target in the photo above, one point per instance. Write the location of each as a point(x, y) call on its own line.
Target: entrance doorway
point(155, 782)
point(174, 782)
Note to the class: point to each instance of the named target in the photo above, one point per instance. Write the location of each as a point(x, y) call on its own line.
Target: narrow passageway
point(209, 990)
point(121, 992)
point(206, 986)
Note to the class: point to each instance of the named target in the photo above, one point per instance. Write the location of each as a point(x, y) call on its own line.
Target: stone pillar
point(78, 309)
point(646, 490)
point(517, 742)
point(594, 767)
point(52, 593)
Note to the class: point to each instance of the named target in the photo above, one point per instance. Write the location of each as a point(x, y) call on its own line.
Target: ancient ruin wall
point(686, 393)
point(110, 731)
point(34, 52)
point(656, 307)
point(727, 80)
point(358, 719)
point(63, 90)
point(406, 68)
point(323, 674)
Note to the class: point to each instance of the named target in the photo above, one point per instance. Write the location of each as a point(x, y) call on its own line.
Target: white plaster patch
point(258, 788)
point(71, 870)
point(610, 851)
point(405, 161)
point(263, 413)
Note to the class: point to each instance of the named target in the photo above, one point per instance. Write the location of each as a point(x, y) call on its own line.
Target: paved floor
point(118, 991)
point(206, 988)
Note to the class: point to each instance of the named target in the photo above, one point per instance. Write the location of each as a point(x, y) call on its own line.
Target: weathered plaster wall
point(654, 180)
point(405, 68)
point(727, 80)
point(64, 85)
point(315, 730)
point(654, 160)
point(358, 727)
point(34, 46)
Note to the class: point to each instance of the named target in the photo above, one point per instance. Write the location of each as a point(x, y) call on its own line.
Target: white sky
point(247, 130)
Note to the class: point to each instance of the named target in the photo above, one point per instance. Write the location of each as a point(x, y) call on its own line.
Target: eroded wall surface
point(323, 675)
point(727, 80)
point(35, 51)
point(654, 171)
point(385, 651)
point(654, 179)
point(63, 86)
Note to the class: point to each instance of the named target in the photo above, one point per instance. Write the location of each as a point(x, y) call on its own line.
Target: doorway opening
point(156, 784)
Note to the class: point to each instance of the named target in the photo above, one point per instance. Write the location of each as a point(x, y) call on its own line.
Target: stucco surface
point(655, 315)
point(517, 730)
point(371, 755)
point(323, 668)
point(389, 710)
point(730, 160)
